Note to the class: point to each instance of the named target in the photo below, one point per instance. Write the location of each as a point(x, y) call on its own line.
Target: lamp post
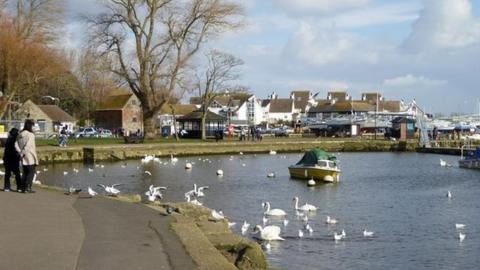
point(376, 111)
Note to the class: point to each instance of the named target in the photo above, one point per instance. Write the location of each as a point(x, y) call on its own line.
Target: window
point(134, 102)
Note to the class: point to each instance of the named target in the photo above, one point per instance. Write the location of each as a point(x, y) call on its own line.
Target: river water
point(399, 196)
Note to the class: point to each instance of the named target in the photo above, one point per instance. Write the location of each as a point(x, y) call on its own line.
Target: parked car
point(282, 131)
point(105, 133)
point(86, 132)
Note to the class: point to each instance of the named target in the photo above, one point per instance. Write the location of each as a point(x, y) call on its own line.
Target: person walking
point(63, 137)
point(25, 145)
point(11, 161)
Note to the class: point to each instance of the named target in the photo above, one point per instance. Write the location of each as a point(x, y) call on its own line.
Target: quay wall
point(50, 154)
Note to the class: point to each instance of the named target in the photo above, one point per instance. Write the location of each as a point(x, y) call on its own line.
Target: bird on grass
point(91, 192)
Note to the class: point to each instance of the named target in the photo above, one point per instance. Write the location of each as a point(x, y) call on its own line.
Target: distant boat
point(470, 160)
point(316, 164)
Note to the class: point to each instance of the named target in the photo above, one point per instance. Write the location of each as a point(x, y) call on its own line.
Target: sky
point(427, 50)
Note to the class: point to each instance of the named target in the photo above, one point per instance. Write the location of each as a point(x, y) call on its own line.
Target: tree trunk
point(174, 124)
point(149, 126)
point(202, 125)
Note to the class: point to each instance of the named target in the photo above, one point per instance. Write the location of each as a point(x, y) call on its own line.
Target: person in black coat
point(11, 160)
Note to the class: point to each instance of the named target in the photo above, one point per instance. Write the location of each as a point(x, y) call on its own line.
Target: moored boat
point(318, 165)
point(470, 160)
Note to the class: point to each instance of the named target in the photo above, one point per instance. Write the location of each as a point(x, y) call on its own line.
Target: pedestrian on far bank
point(63, 137)
point(11, 161)
point(25, 145)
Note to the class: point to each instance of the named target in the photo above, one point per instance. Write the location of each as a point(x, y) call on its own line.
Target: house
point(338, 96)
point(120, 111)
point(166, 115)
point(50, 118)
point(281, 109)
point(238, 108)
point(191, 124)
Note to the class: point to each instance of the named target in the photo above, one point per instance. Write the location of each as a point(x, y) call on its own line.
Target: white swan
point(194, 201)
point(199, 190)
point(188, 166)
point(337, 237)
point(331, 220)
point(148, 173)
point(305, 207)
point(147, 159)
point(367, 233)
point(300, 233)
point(219, 172)
point(173, 159)
point(271, 175)
point(449, 194)
point(269, 233)
point(443, 163)
point(272, 212)
point(285, 222)
point(344, 234)
point(272, 152)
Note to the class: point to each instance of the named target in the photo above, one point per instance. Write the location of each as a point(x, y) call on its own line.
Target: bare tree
point(34, 18)
point(152, 41)
point(215, 80)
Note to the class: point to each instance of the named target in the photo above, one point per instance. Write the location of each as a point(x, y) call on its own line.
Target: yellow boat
point(316, 164)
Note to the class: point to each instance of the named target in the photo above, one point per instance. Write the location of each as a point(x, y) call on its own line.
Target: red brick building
point(120, 111)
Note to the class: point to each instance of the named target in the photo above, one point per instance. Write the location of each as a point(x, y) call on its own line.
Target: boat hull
point(318, 174)
point(469, 163)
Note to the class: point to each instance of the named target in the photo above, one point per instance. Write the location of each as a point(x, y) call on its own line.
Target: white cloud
point(314, 46)
point(410, 80)
point(444, 24)
point(302, 7)
point(374, 15)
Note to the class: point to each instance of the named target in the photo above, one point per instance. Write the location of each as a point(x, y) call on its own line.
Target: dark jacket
point(11, 157)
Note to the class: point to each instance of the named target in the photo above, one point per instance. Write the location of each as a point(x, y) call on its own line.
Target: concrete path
point(50, 230)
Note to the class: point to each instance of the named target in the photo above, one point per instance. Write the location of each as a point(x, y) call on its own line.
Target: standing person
point(63, 137)
point(11, 161)
point(25, 145)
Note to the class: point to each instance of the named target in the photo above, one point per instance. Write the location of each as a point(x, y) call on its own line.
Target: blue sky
point(423, 49)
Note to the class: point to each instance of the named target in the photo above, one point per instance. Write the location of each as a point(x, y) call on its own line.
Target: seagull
point(308, 228)
point(459, 226)
point(91, 192)
point(443, 163)
point(461, 236)
point(285, 222)
point(264, 220)
point(271, 175)
point(110, 190)
point(267, 246)
point(231, 224)
point(245, 227)
point(75, 170)
point(45, 169)
point(123, 166)
point(217, 215)
point(189, 200)
point(344, 234)
point(148, 173)
point(300, 233)
point(154, 193)
point(449, 194)
point(199, 190)
point(147, 159)
point(337, 237)
point(65, 173)
point(90, 170)
point(331, 220)
point(73, 190)
point(367, 233)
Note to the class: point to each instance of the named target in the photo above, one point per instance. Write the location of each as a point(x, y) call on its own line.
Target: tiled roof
point(390, 105)
point(116, 102)
point(338, 95)
point(265, 102)
point(56, 114)
point(343, 106)
point(301, 99)
point(281, 105)
point(197, 115)
point(180, 109)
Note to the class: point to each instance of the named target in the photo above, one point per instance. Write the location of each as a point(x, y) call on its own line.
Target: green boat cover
point(311, 157)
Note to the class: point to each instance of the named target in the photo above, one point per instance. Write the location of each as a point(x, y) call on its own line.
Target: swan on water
point(449, 194)
point(305, 207)
point(75, 170)
point(272, 212)
point(245, 227)
point(90, 170)
point(268, 233)
point(271, 175)
point(272, 152)
point(173, 159)
point(300, 233)
point(91, 192)
point(147, 159)
point(443, 163)
point(188, 166)
point(344, 234)
point(367, 233)
point(285, 222)
point(308, 228)
point(65, 173)
point(110, 190)
point(331, 220)
point(219, 172)
point(459, 226)
point(217, 215)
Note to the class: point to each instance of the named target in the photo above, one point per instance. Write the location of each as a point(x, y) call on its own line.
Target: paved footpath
point(50, 230)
